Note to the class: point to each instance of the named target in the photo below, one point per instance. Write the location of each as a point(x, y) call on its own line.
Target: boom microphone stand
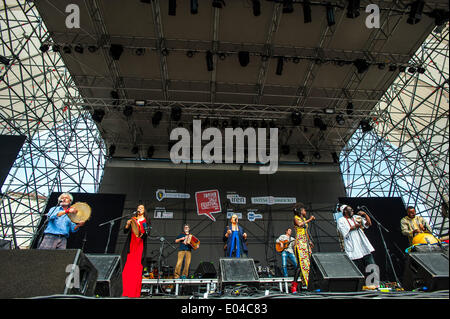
point(388, 255)
point(111, 225)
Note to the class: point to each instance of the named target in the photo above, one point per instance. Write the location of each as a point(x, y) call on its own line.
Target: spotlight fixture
point(112, 150)
point(349, 108)
point(392, 68)
point(79, 49)
point(340, 119)
point(285, 149)
point(115, 97)
point(330, 15)
point(98, 115)
point(361, 65)
point(56, 47)
point(150, 151)
point(307, 18)
point(222, 56)
point(296, 118)
point(353, 9)
point(190, 54)
point(139, 51)
point(440, 16)
point(317, 155)
point(415, 15)
point(139, 102)
point(44, 47)
point(135, 149)
point(319, 123)
point(194, 6)
point(225, 123)
point(175, 113)
point(244, 58)
point(128, 110)
point(218, 4)
point(301, 156)
point(209, 61)
point(412, 70)
point(421, 70)
point(92, 48)
point(280, 63)
point(156, 118)
point(172, 7)
point(329, 110)
point(402, 68)
point(116, 51)
point(256, 4)
point(381, 66)
point(365, 126)
point(296, 60)
point(67, 49)
point(335, 157)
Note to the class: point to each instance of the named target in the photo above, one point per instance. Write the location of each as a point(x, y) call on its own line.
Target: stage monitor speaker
point(334, 272)
point(5, 244)
point(109, 280)
point(34, 273)
point(426, 270)
point(205, 270)
point(237, 271)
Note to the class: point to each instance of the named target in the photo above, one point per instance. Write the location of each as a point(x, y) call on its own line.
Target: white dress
point(356, 243)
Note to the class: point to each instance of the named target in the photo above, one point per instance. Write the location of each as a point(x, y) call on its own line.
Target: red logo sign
point(208, 203)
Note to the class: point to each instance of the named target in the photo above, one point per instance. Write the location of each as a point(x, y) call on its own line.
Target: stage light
point(225, 123)
point(256, 4)
point(194, 6)
point(44, 47)
point(330, 15)
point(280, 63)
point(218, 3)
point(112, 150)
point(288, 6)
point(296, 118)
point(440, 16)
point(67, 49)
point(222, 56)
point(244, 58)
point(139, 51)
point(4, 60)
point(421, 70)
point(335, 157)
point(349, 108)
point(139, 102)
point(79, 49)
point(156, 118)
point(340, 119)
point(319, 123)
point(56, 48)
point(317, 155)
point(150, 151)
point(402, 68)
point(412, 70)
point(135, 149)
point(361, 65)
point(92, 48)
point(116, 51)
point(415, 15)
point(381, 66)
point(296, 60)
point(329, 110)
point(353, 9)
point(392, 68)
point(209, 61)
point(98, 115)
point(190, 54)
point(307, 18)
point(128, 110)
point(301, 156)
point(172, 7)
point(285, 149)
point(175, 113)
point(365, 126)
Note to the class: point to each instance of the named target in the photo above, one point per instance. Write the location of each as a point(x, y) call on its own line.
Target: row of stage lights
point(352, 9)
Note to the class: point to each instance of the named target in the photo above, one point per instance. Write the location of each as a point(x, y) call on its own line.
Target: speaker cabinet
point(237, 271)
point(205, 270)
point(334, 272)
point(109, 280)
point(34, 273)
point(426, 270)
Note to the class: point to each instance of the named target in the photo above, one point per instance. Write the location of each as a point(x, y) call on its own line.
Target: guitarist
point(287, 242)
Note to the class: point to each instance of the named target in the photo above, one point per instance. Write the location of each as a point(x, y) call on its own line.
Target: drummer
point(59, 224)
point(412, 225)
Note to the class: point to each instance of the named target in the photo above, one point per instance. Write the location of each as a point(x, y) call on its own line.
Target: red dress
point(132, 272)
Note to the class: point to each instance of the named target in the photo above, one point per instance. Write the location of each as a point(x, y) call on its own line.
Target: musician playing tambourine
point(185, 239)
point(285, 244)
point(413, 225)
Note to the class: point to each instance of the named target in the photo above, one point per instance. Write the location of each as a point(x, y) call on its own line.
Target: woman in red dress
point(134, 253)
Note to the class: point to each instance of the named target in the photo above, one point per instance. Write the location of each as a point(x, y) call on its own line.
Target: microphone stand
point(111, 225)
point(388, 255)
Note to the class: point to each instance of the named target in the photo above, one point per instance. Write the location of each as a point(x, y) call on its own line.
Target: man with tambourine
point(187, 242)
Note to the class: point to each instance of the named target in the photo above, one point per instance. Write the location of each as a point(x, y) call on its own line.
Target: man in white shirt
point(288, 252)
point(356, 244)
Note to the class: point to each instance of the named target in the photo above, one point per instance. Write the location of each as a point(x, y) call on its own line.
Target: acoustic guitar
point(282, 245)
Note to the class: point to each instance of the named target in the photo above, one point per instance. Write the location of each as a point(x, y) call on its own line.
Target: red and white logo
point(208, 203)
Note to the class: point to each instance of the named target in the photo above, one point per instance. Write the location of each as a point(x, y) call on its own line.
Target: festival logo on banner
point(162, 193)
point(271, 200)
point(208, 203)
point(252, 215)
point(161, 213)
point(236, 199)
